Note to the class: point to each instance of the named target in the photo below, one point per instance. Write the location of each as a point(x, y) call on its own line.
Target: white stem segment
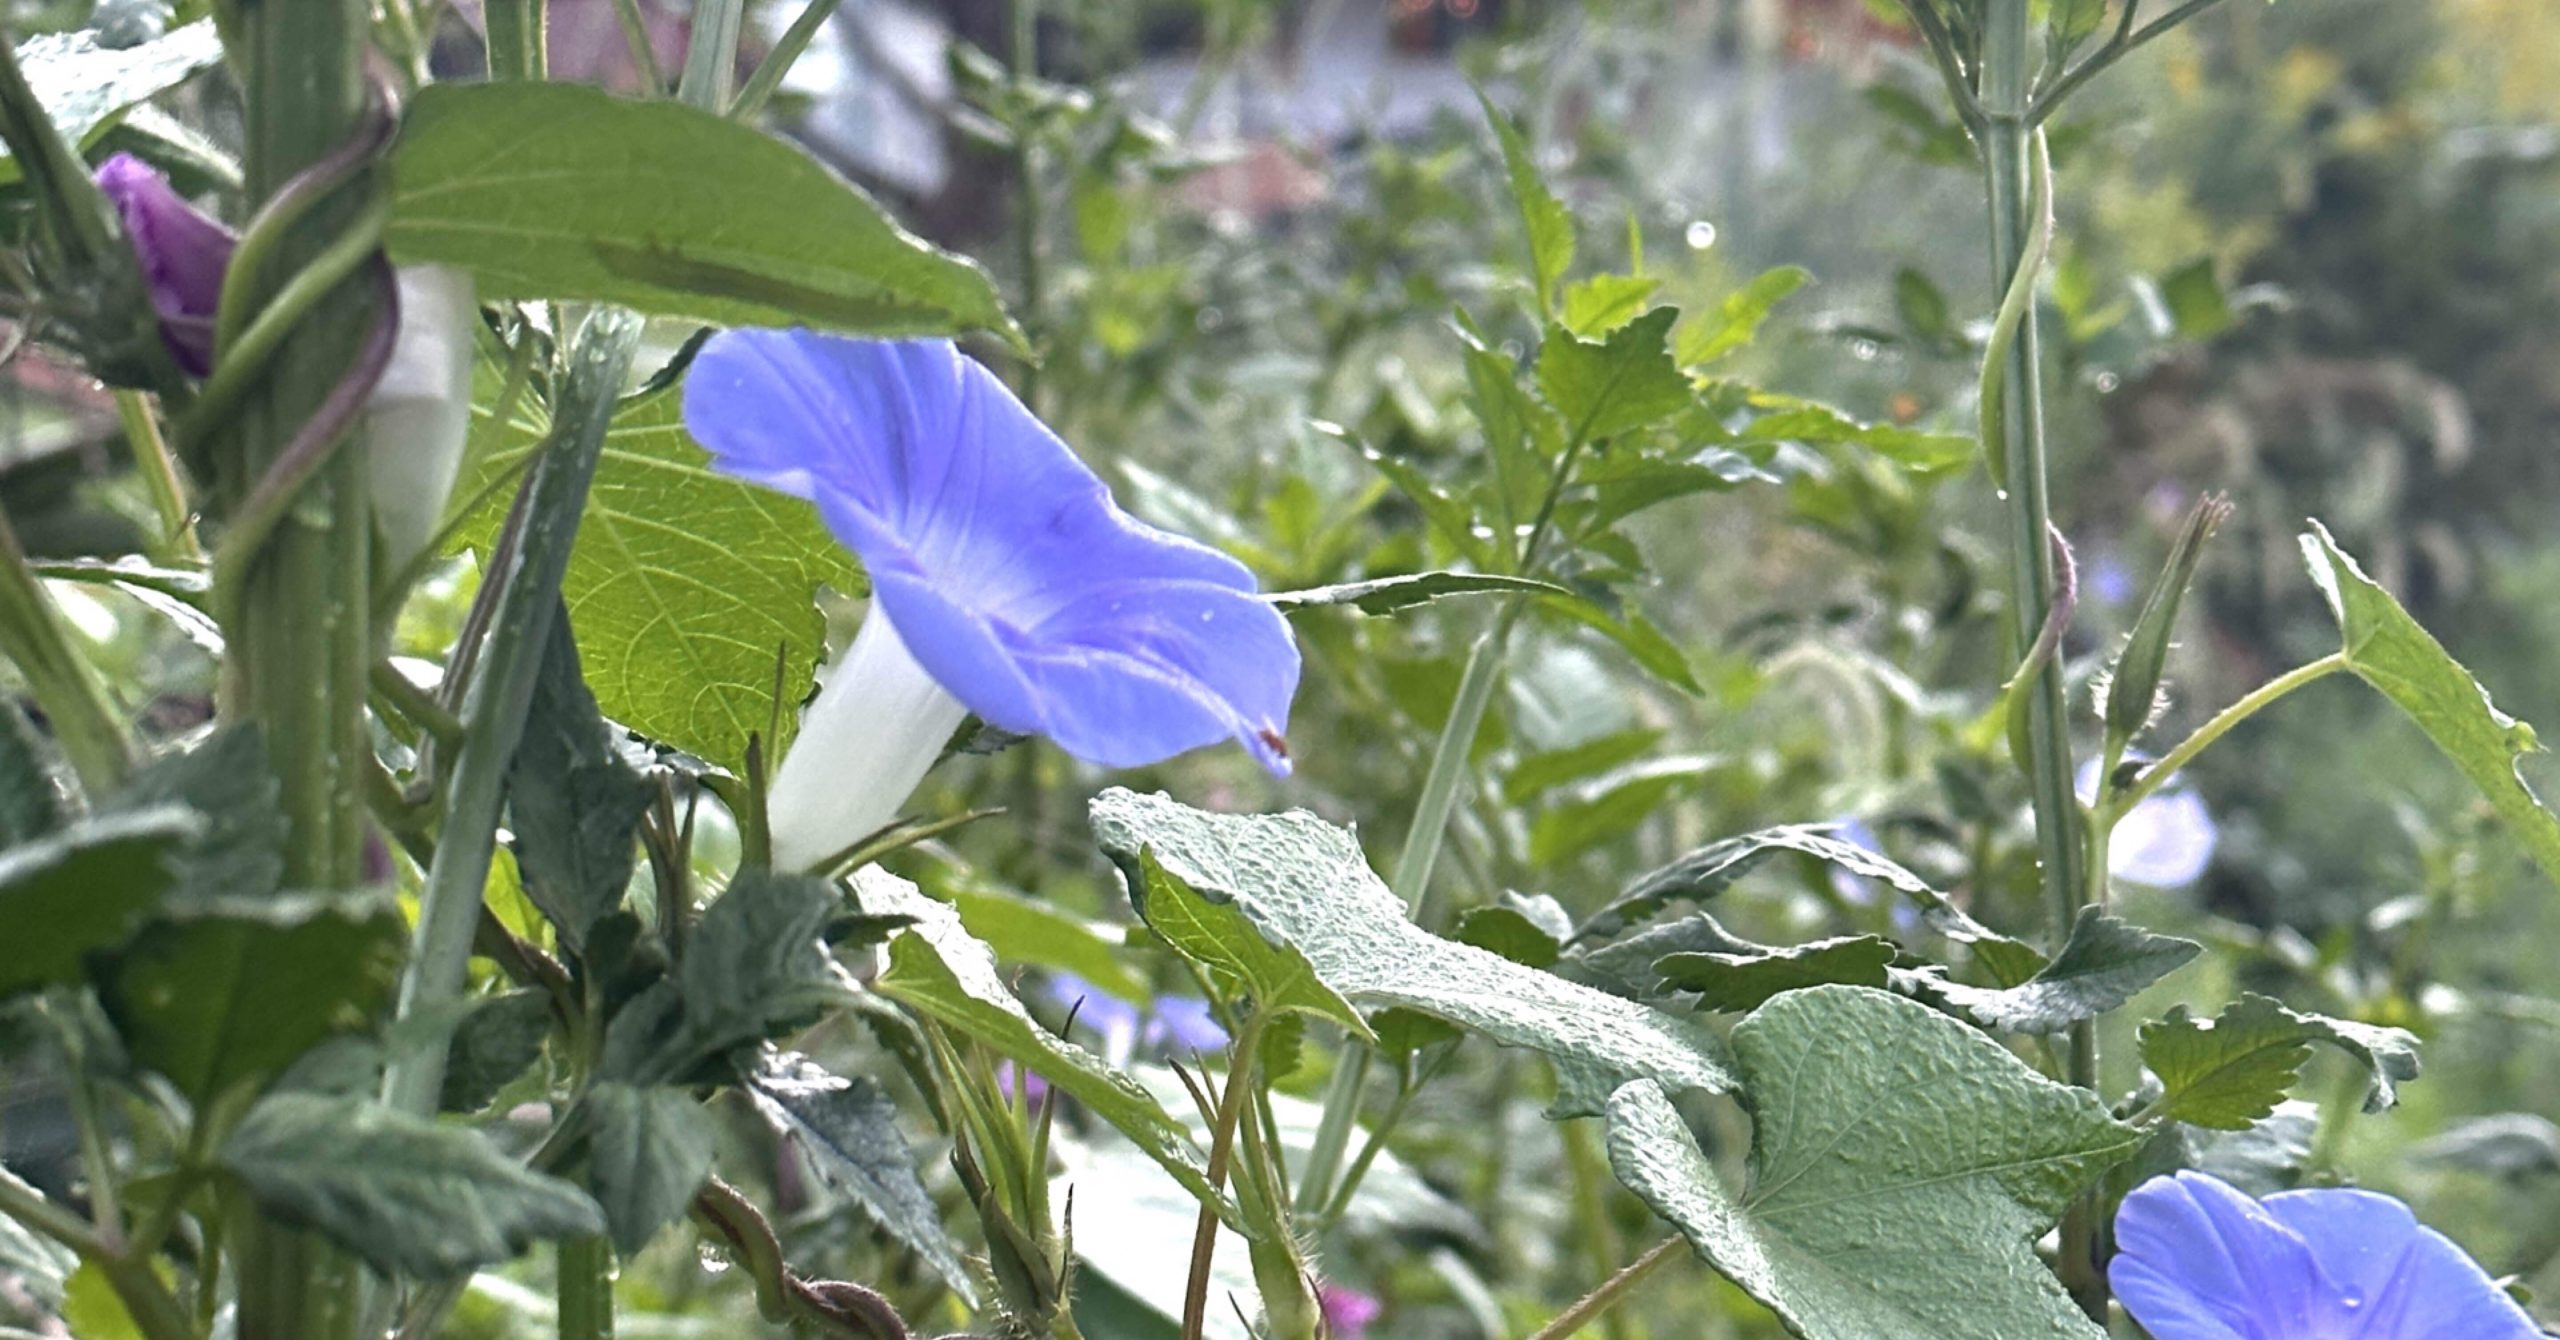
point(879, 722)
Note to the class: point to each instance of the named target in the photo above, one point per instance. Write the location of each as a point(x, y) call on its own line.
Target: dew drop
point(712, 1259)
point(2107, 381)
point(1700, 235)
point(1864, 351)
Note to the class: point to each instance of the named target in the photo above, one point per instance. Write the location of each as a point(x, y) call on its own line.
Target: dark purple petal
point(1013, 577)
point(183, 252)
point(2403, 1280)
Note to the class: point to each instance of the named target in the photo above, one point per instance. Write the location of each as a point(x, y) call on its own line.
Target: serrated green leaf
point(563, 191)
point(233, 991)
point(2231, 1070)
point(497, 1041)
point(648, 1151)
point(1737, 982)
point(1602, 303)
point(1794, 420)
point(1443, 513)
point(238, 848)
point(1737, 320)
point(1221, 939)
point(684, 585)
point(848, 1129)
point(1386, 595)
point(1708, 871)
point(410, 1196)
point(1620, 384)
point(82, 889)
point(573, 803)
point(753, 969)
point(939, 970)
point(1549, 223)
point(85, 87)
point(1522, 437)
point(2105, 962)
point(1902, 1168)
point(1305, 883)
point(2390, 651)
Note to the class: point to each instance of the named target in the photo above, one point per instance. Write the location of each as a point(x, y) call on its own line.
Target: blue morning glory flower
point(2197, 1260)
point(1005, 581)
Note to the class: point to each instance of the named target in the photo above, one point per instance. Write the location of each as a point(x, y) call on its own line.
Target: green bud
point(2134, 684)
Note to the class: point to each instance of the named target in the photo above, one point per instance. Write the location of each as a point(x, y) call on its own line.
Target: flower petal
point(1019, 583)
point(2400, 1280)
point(2196, 1260)
point(183, 252)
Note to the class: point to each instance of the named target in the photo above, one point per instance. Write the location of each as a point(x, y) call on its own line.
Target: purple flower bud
point(1347, 1311)
point(183, 252)
point(2197, 1260)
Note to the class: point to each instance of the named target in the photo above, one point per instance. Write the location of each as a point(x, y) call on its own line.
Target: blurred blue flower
point(1115, 1019)
point(1005, 581)
point(2197, 1260)
point(2165, 842)
point(1185, 1023)
point(1857, 890)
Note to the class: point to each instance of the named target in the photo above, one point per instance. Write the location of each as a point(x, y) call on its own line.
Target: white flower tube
point(420, 415)
point(878, 723)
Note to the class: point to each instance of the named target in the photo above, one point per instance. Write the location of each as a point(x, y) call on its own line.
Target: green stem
point(2158, 774)
point(2016, 421)
point(1204, 1237)
point(1412, 879)
point(644, 54)
point(153, 1308)
point(159, 471)
point(2124, 43)
point(711, 63)
point(1611, 1292)
point(75, 702)
point(585, 1288)
point(777, 63)
point(500, 695)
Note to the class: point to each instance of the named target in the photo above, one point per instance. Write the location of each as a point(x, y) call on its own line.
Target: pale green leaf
point(409, 1195)
point(1902, 1168)
point(1737, 320)
point(939, 970)
point(1386, 595)
point(1736, 982)
point(685, 585)
point(1625, 382)
point(2391, 652)
point(1549, 223)
point(2228, 1071)
point(1220, 938)
point(1305, 883)
point(563, 191)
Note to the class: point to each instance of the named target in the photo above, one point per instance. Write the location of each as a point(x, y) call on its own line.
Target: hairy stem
point(1611, 1292)
point(159, 471)
point(1222, 1140)
point(2158, 774)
